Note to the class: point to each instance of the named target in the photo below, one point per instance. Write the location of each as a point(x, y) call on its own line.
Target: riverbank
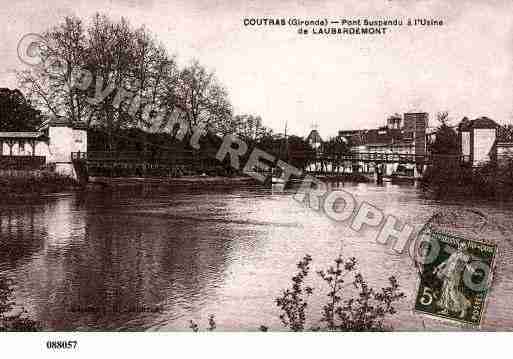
point(196, 182)
point(455, 181)
point(186, 182)
point(33, 183)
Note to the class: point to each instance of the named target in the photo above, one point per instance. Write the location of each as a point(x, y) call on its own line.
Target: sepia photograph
point(247, 166)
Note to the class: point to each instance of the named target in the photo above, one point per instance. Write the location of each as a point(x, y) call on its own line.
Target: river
point(152, 261)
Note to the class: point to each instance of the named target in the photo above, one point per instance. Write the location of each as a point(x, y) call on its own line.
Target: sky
point(334, 82)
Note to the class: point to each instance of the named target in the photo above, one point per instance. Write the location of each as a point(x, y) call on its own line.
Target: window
point(21, 145)
point(77, 136)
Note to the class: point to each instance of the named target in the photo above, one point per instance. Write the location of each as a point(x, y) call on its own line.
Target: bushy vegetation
point(22, 183)
point(445, 177)
point(448, 176)
point(504, 178)
point(451, 178)
point(18, 114)
point(351, 304)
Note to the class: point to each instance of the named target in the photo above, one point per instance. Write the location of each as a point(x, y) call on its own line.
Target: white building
point(477, 139)
point(55, 141)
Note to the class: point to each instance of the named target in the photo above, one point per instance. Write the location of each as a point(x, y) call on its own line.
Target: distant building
point(314, 139)
point(415, 126)
point(354, 138)
point(394, 122)
point(399, 136)
point(478, 140)
point(385, 140)
point(406, 135)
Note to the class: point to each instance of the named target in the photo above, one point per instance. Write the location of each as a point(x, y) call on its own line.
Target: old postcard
point(255, 166)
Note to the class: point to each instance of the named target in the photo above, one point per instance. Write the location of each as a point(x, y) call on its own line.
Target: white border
point(260, 345)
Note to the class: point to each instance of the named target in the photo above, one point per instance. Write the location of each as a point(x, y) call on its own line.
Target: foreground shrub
point(352, 305)
point(365, 309)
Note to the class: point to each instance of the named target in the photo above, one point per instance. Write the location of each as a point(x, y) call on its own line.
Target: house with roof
point(483, 140)
point(52, 144)
point(478, 140)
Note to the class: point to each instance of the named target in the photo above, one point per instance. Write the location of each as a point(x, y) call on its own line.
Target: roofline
point(21, 134)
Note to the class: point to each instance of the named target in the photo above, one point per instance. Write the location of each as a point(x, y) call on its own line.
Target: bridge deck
point(185, 158)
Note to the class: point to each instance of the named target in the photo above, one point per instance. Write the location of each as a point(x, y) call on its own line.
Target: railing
point(390, 157)
point(134, 156)
point(144, 163)
point(188, 156)
point(384, 157)
point(75, 156)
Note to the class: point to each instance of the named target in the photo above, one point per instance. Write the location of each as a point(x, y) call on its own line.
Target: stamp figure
point(454, 284)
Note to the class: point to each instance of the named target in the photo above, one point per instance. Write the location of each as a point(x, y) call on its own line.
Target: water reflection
point(134, 261)
point(19, 232)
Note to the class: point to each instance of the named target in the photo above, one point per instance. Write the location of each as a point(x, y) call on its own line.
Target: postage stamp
point(455, 278)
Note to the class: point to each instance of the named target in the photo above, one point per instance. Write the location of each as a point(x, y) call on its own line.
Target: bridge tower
point(415, 126)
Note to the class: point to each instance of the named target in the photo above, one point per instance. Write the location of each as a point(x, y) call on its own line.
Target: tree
point(446, 171)
point(17, 113)
point(250, 128)
point(109, 75)
point(202, 99)
point(505, 133)
point(446, 139)
point(48, 85)
point(299, 152)
point(335, 147)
